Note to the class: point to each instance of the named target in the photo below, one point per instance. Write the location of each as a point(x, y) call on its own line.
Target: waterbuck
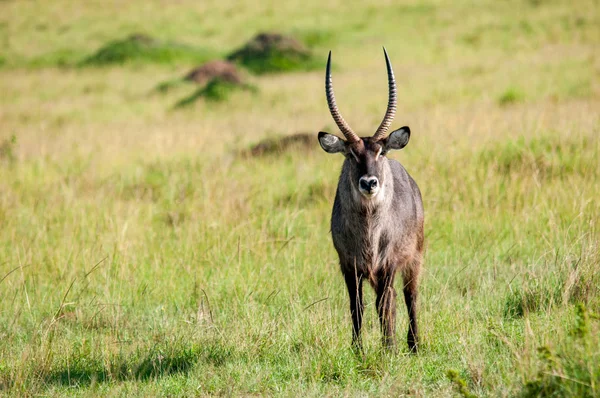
point(377, 218)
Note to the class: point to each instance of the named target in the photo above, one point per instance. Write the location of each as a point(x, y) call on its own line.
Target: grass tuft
point(170, 85)
point(537, 295)
point(272, 52)
point(549, 156)
point(460, 384)
point(139, 48)
point(158, 362)
point(510, 96)
point(8, 148)
point(570, 281)
point(217, 90)
point(571, 369)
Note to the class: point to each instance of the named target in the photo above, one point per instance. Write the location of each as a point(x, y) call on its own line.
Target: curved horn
point(392, 99)
point(333, 109)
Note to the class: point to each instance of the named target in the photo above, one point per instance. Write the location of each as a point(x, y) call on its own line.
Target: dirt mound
point(223, 70)
point(140, 47)
point(276, 145)
point(272, 52)
point(265, 42)
point(142, 39)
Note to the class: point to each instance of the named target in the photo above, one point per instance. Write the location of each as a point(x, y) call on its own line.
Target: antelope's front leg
point(411, 281)
point(354, 285)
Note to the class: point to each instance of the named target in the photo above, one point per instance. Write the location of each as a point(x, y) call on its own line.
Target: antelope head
point(366, 156)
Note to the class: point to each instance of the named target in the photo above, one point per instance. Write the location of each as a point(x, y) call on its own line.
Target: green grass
point(510, 96)
point(276, 61)
point(216, 90)
point(273, 59)
point(171, 85)
point(141, 255)
point(569, 369)
point(145, 49)
point(8, 148)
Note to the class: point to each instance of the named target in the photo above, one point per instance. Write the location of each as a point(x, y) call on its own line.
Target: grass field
point(141, 256)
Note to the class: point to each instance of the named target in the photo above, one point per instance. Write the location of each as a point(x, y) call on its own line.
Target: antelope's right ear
point(331, 143)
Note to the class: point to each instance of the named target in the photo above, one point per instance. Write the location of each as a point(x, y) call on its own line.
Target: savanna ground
point(139, 255)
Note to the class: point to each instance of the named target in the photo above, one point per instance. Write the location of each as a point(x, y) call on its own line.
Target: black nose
point(369, 183)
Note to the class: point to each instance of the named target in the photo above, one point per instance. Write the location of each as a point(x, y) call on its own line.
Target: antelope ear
point(331, 143)
point(398, 139)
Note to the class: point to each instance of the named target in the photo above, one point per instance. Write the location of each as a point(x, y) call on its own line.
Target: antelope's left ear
point(398, 139)
point(331, 143)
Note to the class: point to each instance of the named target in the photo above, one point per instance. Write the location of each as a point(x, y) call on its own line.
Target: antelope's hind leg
point(386, 308)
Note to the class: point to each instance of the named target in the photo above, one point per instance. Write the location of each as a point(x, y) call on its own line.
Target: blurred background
point(94, 71)
point(164, 203)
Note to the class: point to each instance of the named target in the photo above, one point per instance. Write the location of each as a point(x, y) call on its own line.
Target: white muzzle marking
point(368, 186)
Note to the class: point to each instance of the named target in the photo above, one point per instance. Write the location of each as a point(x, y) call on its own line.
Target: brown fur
point(378, 236)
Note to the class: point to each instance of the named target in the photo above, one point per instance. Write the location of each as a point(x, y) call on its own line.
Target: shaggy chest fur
point(361, 241)
point(380, 233)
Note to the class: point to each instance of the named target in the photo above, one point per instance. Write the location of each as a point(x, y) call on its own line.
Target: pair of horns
point(339, 120)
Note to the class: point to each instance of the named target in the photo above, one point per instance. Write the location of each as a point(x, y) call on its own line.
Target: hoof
point(413, 346)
